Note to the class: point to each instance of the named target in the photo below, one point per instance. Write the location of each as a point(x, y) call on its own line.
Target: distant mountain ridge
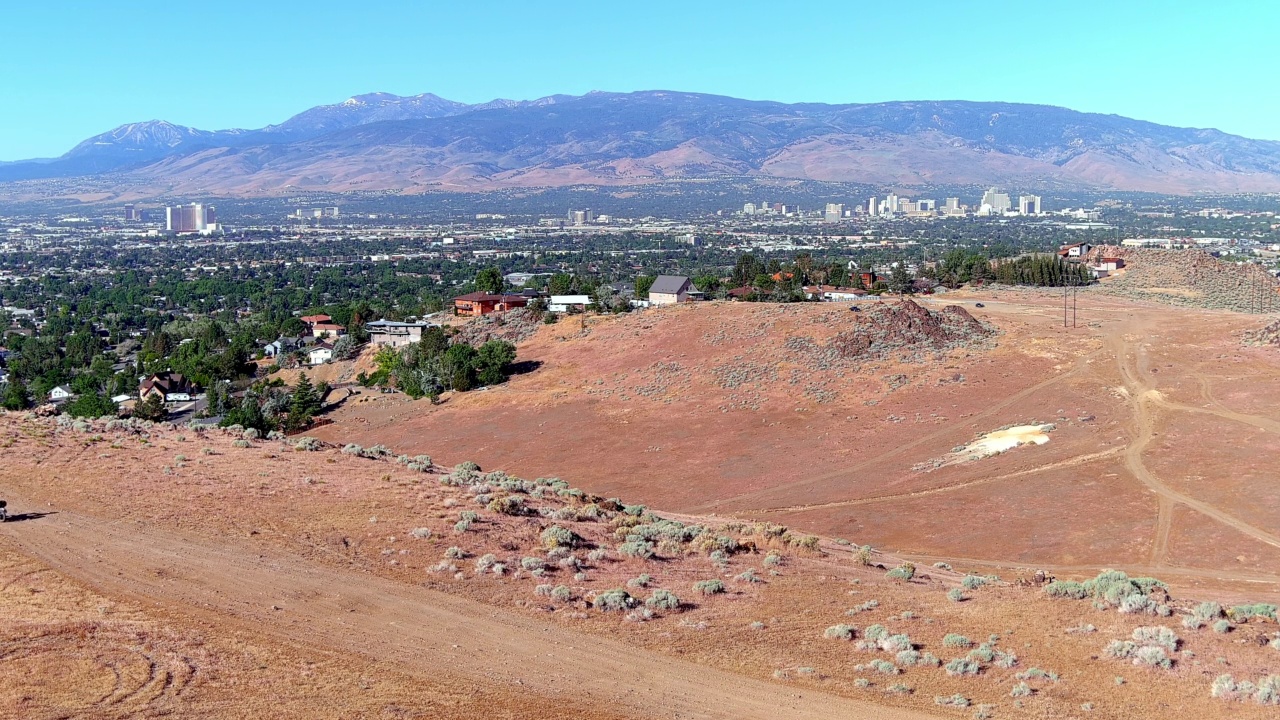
point(424, 142)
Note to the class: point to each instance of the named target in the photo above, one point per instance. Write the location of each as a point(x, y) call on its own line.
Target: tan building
point(669, 290)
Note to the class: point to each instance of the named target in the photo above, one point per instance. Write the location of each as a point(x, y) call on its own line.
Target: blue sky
point(69, 70)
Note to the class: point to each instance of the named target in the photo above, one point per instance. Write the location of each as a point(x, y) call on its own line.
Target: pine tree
point(305, 404)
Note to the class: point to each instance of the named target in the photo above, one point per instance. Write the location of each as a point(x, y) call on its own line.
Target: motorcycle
point(4, 511)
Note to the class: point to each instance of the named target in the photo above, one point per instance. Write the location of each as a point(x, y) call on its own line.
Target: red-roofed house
point(482, 303)
point(334, 329)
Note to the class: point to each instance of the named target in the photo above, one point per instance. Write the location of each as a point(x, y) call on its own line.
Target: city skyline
point(253, 74)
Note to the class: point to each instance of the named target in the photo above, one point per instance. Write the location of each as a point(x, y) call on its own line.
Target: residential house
point(395, 334)
point(741, 293)
point(670, 289)
point(313, 319)
point(830, 293)
point(569, 303)
point(333, 330)
point(321, 353)
point(62, 393)
point(280, 346)
point(1075, 251)
point(482, 303)
point(1105, 266)
point(624, 289)
point(166, 384)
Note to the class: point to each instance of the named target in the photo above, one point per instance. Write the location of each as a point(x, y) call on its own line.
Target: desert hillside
point(894, 425)
point(153, 570)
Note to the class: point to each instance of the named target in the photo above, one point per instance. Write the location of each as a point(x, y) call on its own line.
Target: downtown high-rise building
point(997, 201)
point(833, 212)
point(872, 207)
point(190, 218)
point(1029, 205)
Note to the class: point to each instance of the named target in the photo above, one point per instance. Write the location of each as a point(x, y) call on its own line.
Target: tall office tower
point(927, 205)
point(749, 209)
point(953, 205)
point(130, 213)
point(998, 201)
point(891, 203)
point(1029, 204)
point(872, 207)
point(189, 218)
point(833, 213)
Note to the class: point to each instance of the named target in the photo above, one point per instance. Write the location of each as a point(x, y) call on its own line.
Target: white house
point(1075, 250)
point(60, 393)
point(565, 303)
point(669, 290)
point(829, 293)
point(395, 334)
point(321, 353)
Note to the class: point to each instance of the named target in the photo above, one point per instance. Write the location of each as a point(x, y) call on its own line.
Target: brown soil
point(728, 409)
point(260, 565)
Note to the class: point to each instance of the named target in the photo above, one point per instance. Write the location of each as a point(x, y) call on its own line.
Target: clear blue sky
point(69, 70)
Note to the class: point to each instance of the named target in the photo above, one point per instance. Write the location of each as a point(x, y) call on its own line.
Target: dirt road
point(428, 633)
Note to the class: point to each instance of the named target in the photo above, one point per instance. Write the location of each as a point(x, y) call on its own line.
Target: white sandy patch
point(1008, 439)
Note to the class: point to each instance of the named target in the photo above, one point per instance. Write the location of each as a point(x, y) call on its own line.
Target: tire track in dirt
point(1080, 365)
point(430, 634)
point(1069, 462)
point(1142, 395)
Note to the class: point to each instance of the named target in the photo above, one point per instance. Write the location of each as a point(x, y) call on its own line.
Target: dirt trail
point(1143, 395)
point(1069, 462)
point(427, 633)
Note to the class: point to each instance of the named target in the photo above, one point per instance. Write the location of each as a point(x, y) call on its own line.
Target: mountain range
point(422, 143)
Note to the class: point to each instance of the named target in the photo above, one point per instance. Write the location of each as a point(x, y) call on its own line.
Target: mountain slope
point(385, 142)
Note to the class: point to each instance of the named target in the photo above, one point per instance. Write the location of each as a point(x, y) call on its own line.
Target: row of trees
point(1042, 270)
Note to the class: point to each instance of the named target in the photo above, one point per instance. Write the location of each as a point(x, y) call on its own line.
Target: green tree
point(899, 278)
point(292, 327)
point(91, 405)
point(838, 275)
point(15, 395)
point(345, 348)
point(433, 342)
point(458, 367)
point(151, 409)
point(492, 361)
point(561, 284)
point(643, 283)
point(746, 270)
point(490, 280)
point(305, 403)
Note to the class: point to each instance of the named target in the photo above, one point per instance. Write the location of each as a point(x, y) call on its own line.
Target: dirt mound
point(514, 326)
point(1266, 336)
point(1190, 278)
point(908, 329)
